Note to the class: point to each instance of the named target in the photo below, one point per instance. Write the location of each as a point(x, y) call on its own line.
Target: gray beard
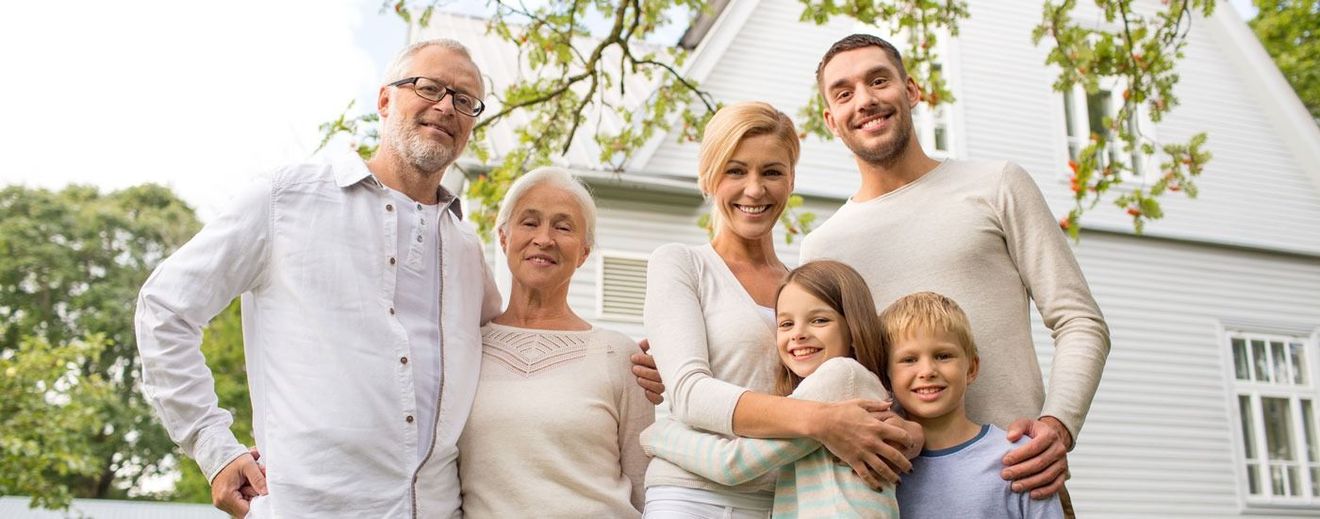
point(417, 151)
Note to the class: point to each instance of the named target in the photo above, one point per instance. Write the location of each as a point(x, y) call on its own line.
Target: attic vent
point(622, 287)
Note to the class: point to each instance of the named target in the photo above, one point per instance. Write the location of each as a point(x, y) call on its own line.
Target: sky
point(198, 96)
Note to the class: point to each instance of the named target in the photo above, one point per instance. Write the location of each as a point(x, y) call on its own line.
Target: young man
point(977, 231)
point(931, 362)
point(363, 294)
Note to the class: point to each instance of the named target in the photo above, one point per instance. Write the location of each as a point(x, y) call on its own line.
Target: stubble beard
point(887, 152)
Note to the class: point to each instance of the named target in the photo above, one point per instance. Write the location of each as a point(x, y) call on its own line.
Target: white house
point(1207, 407)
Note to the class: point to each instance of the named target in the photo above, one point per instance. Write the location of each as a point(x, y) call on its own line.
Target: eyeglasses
point(431, 90)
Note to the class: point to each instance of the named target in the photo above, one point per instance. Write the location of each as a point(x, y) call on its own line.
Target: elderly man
point(362, 293)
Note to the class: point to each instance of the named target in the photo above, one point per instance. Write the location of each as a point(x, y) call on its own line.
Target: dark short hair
point(859, 41)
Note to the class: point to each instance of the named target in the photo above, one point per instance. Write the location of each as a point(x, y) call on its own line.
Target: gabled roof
point(1296, 128)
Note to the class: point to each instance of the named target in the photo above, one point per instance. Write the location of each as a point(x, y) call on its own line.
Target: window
point(933, 123)
point(622, 287)
point(1276, 398)
point(1084, 116)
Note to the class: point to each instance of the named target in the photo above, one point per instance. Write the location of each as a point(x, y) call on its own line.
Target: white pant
point(670, 502)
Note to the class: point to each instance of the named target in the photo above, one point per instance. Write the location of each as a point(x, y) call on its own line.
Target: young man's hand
point(1041, 465)
point(852, 432)
point(237, 484)
point(647, 376)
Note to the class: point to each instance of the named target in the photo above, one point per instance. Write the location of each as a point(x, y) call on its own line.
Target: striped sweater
point(810, 483)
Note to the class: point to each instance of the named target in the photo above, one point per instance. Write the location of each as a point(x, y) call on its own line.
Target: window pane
point(1278, 429)
point(1241, 366)
point(1068, 114)
point(1276, 480)
point(1097, 108)
point(941, 138)
point(1299, 364)
point(1294, 481)
point(1315, 482)
point(1248, 433)
point(1253, 478)
point(1262, 365)
point(1308, 425)
point(1280, 357)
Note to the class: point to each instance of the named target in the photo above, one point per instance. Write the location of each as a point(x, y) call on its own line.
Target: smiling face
point(930, 373)
point(869, 102)
point(545, 239)
point(809, 331)
point(754, 187)
point(426, 135)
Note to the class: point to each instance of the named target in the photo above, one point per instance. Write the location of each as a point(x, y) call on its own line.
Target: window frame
point(1142, 168)
point(1306, 456)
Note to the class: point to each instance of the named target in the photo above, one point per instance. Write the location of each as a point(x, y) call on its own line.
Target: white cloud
point(200, 96)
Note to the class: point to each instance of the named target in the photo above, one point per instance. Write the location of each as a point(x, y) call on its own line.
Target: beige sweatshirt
point(981, 233)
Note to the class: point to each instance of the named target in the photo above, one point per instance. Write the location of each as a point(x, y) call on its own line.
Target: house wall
point(1253, 193)
point(1160, 438)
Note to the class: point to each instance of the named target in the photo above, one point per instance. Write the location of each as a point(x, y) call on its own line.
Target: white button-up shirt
point(313, 252)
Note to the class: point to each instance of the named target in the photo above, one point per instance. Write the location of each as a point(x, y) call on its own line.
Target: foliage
point(1288, 30)
point(1141, 52)
point(71, 263)
point(222, 345)
point(46, 413)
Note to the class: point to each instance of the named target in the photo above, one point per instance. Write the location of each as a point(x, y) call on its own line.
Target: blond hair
point(729, 126)
point(927, 312)
point(841, 287)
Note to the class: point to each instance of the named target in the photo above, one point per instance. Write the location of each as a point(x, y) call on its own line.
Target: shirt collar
point(352, 170)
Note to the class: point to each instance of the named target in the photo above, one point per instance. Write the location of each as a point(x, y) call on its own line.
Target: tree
point(579, 69)
point(1288, 30)
point(71, 263)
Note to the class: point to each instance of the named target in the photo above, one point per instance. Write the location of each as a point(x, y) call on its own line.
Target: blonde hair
point(927, 312)
point(841, 287)
point(729, 126)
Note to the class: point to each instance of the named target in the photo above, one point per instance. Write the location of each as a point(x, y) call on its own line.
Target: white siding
point(1159, 439)
point(1254, 192)
point(774, 60)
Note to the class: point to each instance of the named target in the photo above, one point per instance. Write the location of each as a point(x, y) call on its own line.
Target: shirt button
point(409, 419)
point(389, 207)
point(419, 238)
point(403, 360)
point(419, 207)
point(391, 260)
point(391, 310)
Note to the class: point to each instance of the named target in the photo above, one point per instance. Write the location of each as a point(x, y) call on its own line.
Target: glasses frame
point(448, 91)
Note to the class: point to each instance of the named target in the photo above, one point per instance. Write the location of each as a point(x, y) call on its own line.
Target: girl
point(830, 349)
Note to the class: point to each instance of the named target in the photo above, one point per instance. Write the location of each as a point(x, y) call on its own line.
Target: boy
point(932, 359)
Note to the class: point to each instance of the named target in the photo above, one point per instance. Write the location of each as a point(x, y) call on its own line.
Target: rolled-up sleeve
point(226, 258)
point(676, 329)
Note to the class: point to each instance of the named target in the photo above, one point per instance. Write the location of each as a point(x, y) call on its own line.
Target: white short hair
point(399, 66)
point(555, 177)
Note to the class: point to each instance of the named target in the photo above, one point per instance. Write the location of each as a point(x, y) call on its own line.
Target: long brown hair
point(842, 288)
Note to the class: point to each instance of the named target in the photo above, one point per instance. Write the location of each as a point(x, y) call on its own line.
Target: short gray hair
point(554, 177)
point(399, 66)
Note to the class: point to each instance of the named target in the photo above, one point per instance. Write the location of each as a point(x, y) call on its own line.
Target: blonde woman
point(710, 321)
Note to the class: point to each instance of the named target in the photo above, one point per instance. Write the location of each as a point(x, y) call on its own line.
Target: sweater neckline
point(494, 324)
point(935, 453)
point(938, 169)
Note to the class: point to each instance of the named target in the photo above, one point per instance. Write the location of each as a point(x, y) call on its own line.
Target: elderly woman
point(711, 327)
point(555, 424)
